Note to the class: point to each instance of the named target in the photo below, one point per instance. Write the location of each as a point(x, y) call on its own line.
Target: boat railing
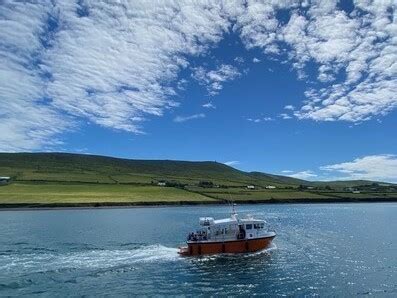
point(222, 237)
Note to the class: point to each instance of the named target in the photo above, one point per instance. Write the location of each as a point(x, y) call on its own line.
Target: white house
point(270, 187)
point(161, 184)
point(4, 180)
point(250, 186)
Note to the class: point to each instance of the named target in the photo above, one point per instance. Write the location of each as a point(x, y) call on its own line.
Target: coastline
point(159, 204)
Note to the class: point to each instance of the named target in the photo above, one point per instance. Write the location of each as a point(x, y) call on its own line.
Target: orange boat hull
point(235, 246)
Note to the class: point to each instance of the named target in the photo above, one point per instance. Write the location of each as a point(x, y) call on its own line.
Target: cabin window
point(262, 225)
point(248, 226)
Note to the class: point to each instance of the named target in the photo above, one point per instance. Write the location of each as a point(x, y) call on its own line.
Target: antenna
point(232, 205)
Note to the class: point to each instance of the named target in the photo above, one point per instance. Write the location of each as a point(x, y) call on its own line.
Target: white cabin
point(231, 228)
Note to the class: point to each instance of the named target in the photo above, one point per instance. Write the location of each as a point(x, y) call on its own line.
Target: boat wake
point(269, 250)
point(86, 259)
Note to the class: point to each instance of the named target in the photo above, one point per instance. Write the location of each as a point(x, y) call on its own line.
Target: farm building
point(4, 180)
point(250, 186)
point(270, 187)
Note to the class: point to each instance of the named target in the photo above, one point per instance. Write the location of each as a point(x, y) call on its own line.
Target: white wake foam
point(87, 259)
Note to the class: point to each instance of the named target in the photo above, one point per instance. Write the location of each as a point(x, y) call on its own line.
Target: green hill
point(62, 179)
point(67, 167)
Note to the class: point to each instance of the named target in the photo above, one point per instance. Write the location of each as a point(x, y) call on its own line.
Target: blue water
point(325, 249)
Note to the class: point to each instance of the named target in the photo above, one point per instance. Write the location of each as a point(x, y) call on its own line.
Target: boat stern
point(183, 251)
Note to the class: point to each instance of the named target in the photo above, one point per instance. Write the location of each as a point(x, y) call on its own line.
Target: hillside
point(68, 167)
point(62, 179)
point(90, 168)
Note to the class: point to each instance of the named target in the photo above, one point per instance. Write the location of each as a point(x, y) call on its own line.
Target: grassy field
point(266, 195)
point(52, 193)
point(56, 193)
point(364, 195)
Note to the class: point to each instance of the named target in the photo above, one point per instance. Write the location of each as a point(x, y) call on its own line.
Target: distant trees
point(169, 183)
point(174, 184)
point(223, 186)
point(302, 187)
point(206, 184)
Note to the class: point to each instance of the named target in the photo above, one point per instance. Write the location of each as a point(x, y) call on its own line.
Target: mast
point(233, 214)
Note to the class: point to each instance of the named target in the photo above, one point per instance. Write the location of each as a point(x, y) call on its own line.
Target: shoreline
point(160, 204)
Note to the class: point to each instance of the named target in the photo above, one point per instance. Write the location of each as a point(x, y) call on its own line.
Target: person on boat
point(241, 234)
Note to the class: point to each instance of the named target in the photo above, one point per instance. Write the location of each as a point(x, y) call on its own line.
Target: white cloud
point(361, 47)
point(287, 171)
point(256, 60)
point(239, 60)
point(285, 116)
point(289, 107)
point(232, 163)
point(373, 167)
point(357, 46)
point(25, 123)
point(214, 79)
point(209, 105)
point(180, 119)
point(305, 175)
point(325, 74)
point(255, 120)
point(258, 120)
point(382, 167)
point(113, 65)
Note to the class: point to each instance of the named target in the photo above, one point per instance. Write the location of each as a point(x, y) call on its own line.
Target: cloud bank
point(117, 63)
point(232, 163)
point(305, 175)
point(373, 167)
point(382, 167)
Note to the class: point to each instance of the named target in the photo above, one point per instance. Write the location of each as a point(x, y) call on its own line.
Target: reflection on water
point(330, 249)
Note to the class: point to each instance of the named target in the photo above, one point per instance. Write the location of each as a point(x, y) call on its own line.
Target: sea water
point(324, 249)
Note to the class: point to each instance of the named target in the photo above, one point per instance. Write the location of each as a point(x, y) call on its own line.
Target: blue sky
point(300, 88)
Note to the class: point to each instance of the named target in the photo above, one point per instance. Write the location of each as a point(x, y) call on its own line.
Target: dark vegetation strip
point(188, 203)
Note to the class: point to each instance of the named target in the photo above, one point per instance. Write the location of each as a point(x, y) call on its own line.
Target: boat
point(231, 235)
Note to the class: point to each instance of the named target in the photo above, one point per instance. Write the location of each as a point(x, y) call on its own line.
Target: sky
point(306, 89)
